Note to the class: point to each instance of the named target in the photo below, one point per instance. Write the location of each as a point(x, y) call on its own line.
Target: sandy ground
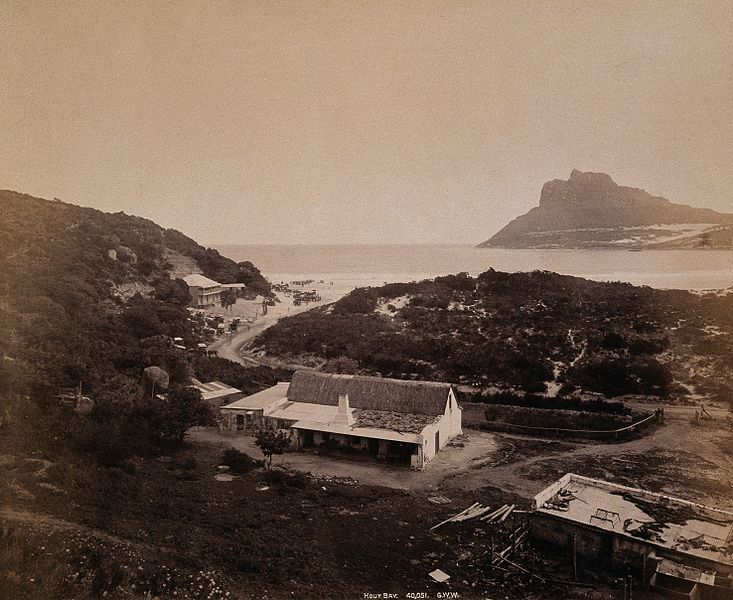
point(450, 462)
point(679, 458)
point(230, 346)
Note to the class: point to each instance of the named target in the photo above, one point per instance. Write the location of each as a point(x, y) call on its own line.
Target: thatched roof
point(394, 421)
point(375, 393)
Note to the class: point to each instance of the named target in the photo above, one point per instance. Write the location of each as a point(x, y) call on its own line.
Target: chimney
point(343, 415)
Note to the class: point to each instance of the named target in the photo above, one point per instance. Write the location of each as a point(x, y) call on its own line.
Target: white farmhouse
point(406, 422)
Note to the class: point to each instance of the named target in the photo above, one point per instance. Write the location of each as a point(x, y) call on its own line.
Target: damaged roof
point(672, 523)
point(389, 419)
point(370, 393)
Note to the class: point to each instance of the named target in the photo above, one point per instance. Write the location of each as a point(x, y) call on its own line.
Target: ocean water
point(358, 265)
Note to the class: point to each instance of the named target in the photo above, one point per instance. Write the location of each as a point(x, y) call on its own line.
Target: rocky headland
point(590, 210)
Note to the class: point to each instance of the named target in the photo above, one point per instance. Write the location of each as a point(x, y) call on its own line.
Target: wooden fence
point(613, 435)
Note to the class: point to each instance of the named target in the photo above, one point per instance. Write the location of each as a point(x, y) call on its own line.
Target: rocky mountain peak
point(579, 187)
point(591, 179)
point(590, 210)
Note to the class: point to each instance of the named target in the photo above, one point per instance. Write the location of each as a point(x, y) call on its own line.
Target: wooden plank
point(496, 512)
point(453, 518)
point(498, 517)
point(506, 514)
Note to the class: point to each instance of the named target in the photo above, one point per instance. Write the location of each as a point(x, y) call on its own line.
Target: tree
point(228, 298)
point(271, 441)
point(183, 408)
point(172, 291)
point(119, 426)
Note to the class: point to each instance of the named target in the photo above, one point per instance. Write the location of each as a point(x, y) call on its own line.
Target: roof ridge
point(381, 393)
point(374, 378)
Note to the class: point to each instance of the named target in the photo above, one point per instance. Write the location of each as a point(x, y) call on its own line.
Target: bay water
point(364, 265)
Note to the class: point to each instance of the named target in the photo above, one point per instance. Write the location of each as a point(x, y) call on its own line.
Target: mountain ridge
point(591, 210)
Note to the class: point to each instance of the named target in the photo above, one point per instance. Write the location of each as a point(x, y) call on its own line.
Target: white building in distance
point(205, 292)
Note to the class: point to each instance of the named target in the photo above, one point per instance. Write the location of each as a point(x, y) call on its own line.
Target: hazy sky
point(318, 122)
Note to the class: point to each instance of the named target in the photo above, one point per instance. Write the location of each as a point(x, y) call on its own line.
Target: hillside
point(591, 210)
point(113, 504)
point(531, 332)
point(72, 236)
point(86, 297)
point(86, 300)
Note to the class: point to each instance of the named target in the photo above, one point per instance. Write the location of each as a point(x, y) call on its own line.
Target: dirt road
point(680, 458)
point(450, 462)
point(230, 346)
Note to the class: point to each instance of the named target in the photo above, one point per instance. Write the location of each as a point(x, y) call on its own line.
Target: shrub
point(270, 442)
point(361, 300)
point(238, 462)
point(280, 478)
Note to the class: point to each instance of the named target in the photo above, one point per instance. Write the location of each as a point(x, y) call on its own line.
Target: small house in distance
point(205, 292)
point(248, 412)
point(680, 548)
point(406, 422)
point(216, 393)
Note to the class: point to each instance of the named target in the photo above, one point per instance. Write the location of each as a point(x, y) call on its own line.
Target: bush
point(280, 478)
point(238, 462)
point(361, 300)
point(564, 419)
point(566, 403)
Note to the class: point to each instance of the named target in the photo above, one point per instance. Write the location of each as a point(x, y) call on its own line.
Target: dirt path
point(230, 346)
point(677, 437)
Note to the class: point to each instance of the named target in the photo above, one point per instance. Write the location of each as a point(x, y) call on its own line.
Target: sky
point(360, 122)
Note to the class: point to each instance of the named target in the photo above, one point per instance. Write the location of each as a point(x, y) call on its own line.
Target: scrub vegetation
point(522, 333)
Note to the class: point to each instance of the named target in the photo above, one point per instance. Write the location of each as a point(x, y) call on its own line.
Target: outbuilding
point(216, 393)
point(676, 546)
point(248, 412)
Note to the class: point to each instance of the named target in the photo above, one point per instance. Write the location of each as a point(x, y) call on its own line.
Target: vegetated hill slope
point(521, 330)
point(69, 236)
point(591, 210)
point(70, 313)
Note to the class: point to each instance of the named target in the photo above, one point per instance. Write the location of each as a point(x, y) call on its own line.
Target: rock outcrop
point(156, 378)
point(591, 210)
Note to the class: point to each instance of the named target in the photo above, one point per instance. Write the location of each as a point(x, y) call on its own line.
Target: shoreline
point(372, 265)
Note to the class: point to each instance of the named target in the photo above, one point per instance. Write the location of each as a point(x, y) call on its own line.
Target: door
point(240, 422)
